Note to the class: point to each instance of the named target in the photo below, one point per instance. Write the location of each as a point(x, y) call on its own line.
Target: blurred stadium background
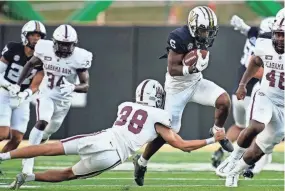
point(115, 21)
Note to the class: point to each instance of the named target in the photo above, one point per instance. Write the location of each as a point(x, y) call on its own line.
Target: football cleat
point(139, 171)
point(247, 173)
point(232, 180)
point(217, 157)
point(226, 167)
point(225, 143)
point(18, 182)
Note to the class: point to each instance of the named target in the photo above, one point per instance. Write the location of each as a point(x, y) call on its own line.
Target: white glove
point(16, 101)
point(66, 88)
point(202, 63)
point(239, 24)
point(14, 90)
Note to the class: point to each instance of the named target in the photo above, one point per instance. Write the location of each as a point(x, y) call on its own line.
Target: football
point(191, 57)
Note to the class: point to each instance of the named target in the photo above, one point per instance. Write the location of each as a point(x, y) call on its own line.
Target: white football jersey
point(135, 126)
point(272, 83)
point(55, 68)
point(248, 51)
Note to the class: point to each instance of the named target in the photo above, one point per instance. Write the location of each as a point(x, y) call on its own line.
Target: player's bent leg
point(4, 132)
point(14, 142)
point(55, 175)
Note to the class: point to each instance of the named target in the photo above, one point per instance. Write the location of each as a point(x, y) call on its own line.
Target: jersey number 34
point(137, 121)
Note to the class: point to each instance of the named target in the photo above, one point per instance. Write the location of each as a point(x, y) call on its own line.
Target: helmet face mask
point(205, 35)
point(278, 31)
point(63, 49)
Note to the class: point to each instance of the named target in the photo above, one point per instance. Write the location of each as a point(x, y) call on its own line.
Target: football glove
point(202, 63)
point(66, 88)
point(239, 24)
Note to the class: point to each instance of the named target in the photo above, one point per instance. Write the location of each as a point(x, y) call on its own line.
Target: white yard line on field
point(173, 167)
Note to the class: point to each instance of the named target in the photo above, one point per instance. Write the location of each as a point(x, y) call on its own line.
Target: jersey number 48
point(271, 77)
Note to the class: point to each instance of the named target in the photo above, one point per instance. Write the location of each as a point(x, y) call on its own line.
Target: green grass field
point(177, 171)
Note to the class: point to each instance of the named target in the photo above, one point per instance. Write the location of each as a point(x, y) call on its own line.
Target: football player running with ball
point(185, 84)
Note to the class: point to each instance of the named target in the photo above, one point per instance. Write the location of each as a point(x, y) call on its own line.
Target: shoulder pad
point(83, 58)
point(163, 117)
point(261, 46)
point(180, 40)
point(42, 46)
point(253, 32)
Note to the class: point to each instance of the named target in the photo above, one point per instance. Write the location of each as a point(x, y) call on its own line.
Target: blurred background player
point(240, 107)
point(136, 124)
point(267, 104)
point(14, 117)
point(185, 84)
point(62, 62)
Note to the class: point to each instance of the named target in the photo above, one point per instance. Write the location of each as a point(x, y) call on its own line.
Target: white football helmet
point(32, 27)
point(266, 25)
point(278, 32)
point(203, 25)
point(280, 14)
point(151, 93)
point(65, 39)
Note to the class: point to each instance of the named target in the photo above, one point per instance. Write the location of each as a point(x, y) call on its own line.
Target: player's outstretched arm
point(34, 61)
point(83, 75)
point(175, 67)
point(176, 141)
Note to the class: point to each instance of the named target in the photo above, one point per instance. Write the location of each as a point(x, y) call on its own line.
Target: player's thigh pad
point(239, 110)
point(273, 132)
point(261, 108)
point(44, 108)
point(206, 93)
point(59, 114)
point(175, 104)
point(5, 109)
point(20, 117)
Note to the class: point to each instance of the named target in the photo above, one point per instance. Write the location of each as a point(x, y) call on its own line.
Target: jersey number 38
point(137, 121)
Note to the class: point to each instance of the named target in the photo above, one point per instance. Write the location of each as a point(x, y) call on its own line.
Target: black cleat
point(217, 157)
point(226, 144)
point(139, 171)
point(247, 173)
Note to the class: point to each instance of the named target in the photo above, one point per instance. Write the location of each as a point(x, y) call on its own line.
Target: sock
point(238, 152)
point(142, 161)
point(241, 165)
point(30, 177)
point(259, 165)
point(5, 156)
point(34, 139)
point(35, 136)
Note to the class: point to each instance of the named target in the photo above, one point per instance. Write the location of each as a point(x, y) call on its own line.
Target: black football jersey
point(14, 53)
point(181, 41)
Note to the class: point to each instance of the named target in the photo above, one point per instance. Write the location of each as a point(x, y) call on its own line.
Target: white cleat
point(226, 167)
point(18, 182)
point(232, 180)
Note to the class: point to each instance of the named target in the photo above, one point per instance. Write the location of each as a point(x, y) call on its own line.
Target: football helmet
point(203, 25)
point(30, 28)
point(280, 14)
point(278, 30)
point(151, 93)
point(65, 40)
point(266, 25)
